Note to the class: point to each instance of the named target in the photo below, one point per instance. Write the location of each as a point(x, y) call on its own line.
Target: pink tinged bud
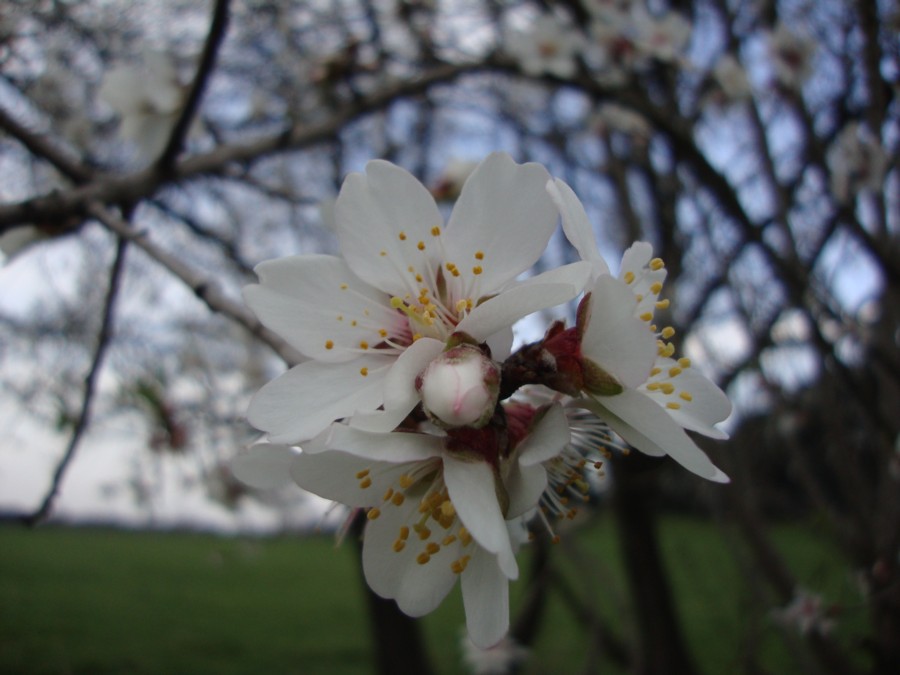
point(460, 388)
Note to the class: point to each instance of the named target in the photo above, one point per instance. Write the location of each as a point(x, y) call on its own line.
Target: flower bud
point(460, 388)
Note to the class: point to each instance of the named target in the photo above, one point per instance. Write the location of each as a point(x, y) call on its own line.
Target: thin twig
point(214, 39)
point(90, 383)
point(203, 287)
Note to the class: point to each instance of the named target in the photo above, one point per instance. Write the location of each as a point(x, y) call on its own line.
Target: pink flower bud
point(460, 387)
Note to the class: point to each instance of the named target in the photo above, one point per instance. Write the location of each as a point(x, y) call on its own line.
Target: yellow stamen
point(329, 344)
point(657, 264)
point(629, 277)
point(373, 513)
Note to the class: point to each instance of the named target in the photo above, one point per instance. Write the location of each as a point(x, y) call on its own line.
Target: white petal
point(615, 340)
point(531, 295)
point(334, 475)
point(635, 258)
point(577, 226)
point(547, 439)
point(505, 213)
point(390, 447)
point(372, 211)
point(265, 466)
point(524, 485)
point(320, 307)
point(400, 395)
point(305, 400)
point(708, 404)
point(501, 343)
point(418, 589)
point(485, 592)
point(470, 484)
point(650, 429)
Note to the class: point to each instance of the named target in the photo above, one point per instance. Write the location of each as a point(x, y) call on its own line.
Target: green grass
point(103, 601)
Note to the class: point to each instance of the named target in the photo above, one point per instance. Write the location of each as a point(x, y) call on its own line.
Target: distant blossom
point(547, 46)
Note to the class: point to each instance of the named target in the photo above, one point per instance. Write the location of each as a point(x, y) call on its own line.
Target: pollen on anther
point(382, 332)
point(655, 288)
point(364, 371)
point(362, 474)
point(629, 277)
point(662, 304)
point(398, 499)
point(421, 246)
point(684, 362)
point(406, 481)
point(435, 231)
point(646, 316)
point(672, 405)
point(423, 558)
point(674, 371)
point(477, 270)
point(402, 236)
point(479, 255)
point(399, 545)
point(657, 264)
point(668, 332)
point(655, 371)
point(382, 253)
point(373, 513)
point(363, 344)
point(344, 287)
point(329, 344)
point(365, 483)
point(686, 395)
point(432, 548)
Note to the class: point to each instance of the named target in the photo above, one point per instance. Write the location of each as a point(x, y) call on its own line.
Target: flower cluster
point(411, 404)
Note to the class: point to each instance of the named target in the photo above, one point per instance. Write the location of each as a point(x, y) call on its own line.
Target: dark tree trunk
point(660, 648)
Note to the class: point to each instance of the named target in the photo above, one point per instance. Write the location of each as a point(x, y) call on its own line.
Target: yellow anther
point(672, 405)
point(667, 350)
point(454, 272)
point(373, 513)
point(464, 536)
point(460, 306)
point(646, 316)
point(663, 304)
point(684, 362)
point(402, 236)
point(424, 533)
point(655, 371)
point(388, 494)
point(667, 388)
point(477, 270)
point(449, 266)
point(421, 246)
point(629, 277)
point(329, 344)
point(382, 332)
point(397, 303)
point(479, 255)
point(416, 336)
point(364, 371)
point(366, 482)
point(686, 395)
point(344, 287)
point(406, 481)
point(655, 288)
point(449, 539)
point(423, 558)
point(353, 323)
point(398, 498)
point(674, 371)
point(404, 532)
point(363, 344)
point(362, 474)
point(382, 253)
point(399, 545)
point(447, 509)
point(653, 386)
point(667, 332)
point(419, 278)
point(432, 548)
point(657, 264)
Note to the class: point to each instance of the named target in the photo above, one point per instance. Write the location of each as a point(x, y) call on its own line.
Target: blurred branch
point(90, 383)
point(204, 288)
point(179, 133)
point(136, 186)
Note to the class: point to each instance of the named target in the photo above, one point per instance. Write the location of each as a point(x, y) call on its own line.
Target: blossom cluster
point(412, 404)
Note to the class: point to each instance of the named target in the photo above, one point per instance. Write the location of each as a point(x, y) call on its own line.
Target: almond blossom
point(371, 321)
point(439, 505)
point(622, 364)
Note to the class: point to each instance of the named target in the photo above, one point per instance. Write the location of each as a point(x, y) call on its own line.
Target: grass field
point(104, 601)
